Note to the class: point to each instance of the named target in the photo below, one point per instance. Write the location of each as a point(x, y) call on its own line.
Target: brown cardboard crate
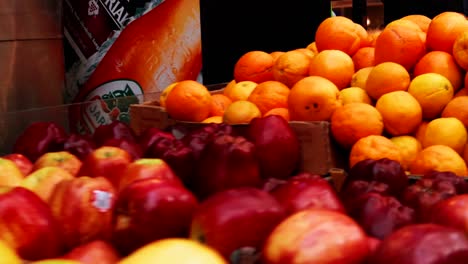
point(320, 153)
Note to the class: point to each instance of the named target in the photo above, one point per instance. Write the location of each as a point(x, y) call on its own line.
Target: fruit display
point(224, 182)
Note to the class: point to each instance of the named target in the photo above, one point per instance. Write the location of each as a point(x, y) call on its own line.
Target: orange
point(444, 29)
point(448, 131)
point(313, 98)
point(268, 95)
point(340, 33)
point(313, 47)
point(372, 36)
point(241, 112)
point(465, 154)
point(239, 90)
point(189, 101)
point(359, 78)
point(307, 52)
point(354, 121)
point(442, 63)
point(276, 54)
point(461, 92)
point(219, 103)
point(165, 92)
point(433, 92)
point(354, 95)
point(213, 119)
point(291, 66)
point(401, 112)
point(438, 158)
point(387, 77)
point(281, 111)
point(374, 147)
point(421, 20)
point(458, 108)
point(335, 65)
point(460, 50)
point(409, 147)
point(420, 132)
point(255, 66)
point(364, 57)
point(400, 43)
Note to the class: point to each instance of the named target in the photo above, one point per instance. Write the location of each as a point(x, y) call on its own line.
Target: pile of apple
point(97, 198)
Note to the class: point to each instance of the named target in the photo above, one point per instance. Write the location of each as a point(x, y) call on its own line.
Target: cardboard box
point(320, 154)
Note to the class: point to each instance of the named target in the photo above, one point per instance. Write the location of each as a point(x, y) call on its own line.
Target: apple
point(316, 236)
point(9, 254)
point(423, 244)
point(226, 162)
point(147, 168)
point(27, 224)
point(151, 209)
point(21, 161)
point(198, 138)
point(108, 162)
point(277, 146)
point(236, 218)
point(116, 129)
point(10, 174)
point(39, 138)
point(452, 212)
point(79, 145)
point(83, 207)
point(306, 190)
point(61, 159)
point(43, 181)
point(132, 147)
point(150, 136)
point(96, 251)
point(55, 261)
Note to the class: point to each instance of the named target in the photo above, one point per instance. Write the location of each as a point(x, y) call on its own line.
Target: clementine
point(281, 111)
point(219, 104)
point(291, 66)
point(241, 112)
point(165, 92)
point(359, 78)
point(335, 65)
point(374, 147)
point(268, 95)
point(448, 131)
point(444, 29)
point(438, 158)
point(458, 108)
point(460, 50)
point(386, 77)
point(354, 95)
point(409, 147)
point(239, 90)
point(255, 66)
point(363, 58)
point(421, 20)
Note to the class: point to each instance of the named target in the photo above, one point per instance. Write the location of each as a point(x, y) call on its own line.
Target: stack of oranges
point(399, 92)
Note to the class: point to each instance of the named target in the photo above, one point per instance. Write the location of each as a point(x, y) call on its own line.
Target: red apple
point(97, 251)
point(147, 168)
point(316, 236)
point(39, 138)
point(79, 145)
point(27, 224)
point(132, 147)
point(423, 244)
point(226, 162)
point(306, 190)
point(108, 162)
point(116, 129)
point(236, 218)
point(10, 174)
point(452, 212)
point(43, 181)
point(151, 135)
point(151, 209)
point(61, 159)
point(21, 161)
point(83, 207)
point(277, 146)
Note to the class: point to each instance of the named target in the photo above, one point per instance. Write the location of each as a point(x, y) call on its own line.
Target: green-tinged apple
point(237, 218)
point(97, 251)
point(61, 159)
point(24, 164)
point(10, 174)
point(84, 208)
point(27, 224)
point(43, 181)
point(147, 168)
point(108, 162)
point(151, 209)
point(316, 236)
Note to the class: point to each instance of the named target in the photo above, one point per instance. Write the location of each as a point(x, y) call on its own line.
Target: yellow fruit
point(409, 147)
point(213, 119)
point(174, 251)
point(8, 254)
point(448, 131)
point(400, 111)
point(354, 95)
point(438, 158)
point(240, 90)
point(241, 112)
point(359, 78)
point(433, 92)
point(55, 261)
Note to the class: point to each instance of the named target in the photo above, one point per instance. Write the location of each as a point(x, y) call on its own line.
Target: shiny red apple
point(116, 129)
point(452, 212)
point(96, 251)
point(61, 159)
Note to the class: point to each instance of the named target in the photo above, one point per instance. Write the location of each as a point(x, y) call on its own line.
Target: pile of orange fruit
point(399, 92)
